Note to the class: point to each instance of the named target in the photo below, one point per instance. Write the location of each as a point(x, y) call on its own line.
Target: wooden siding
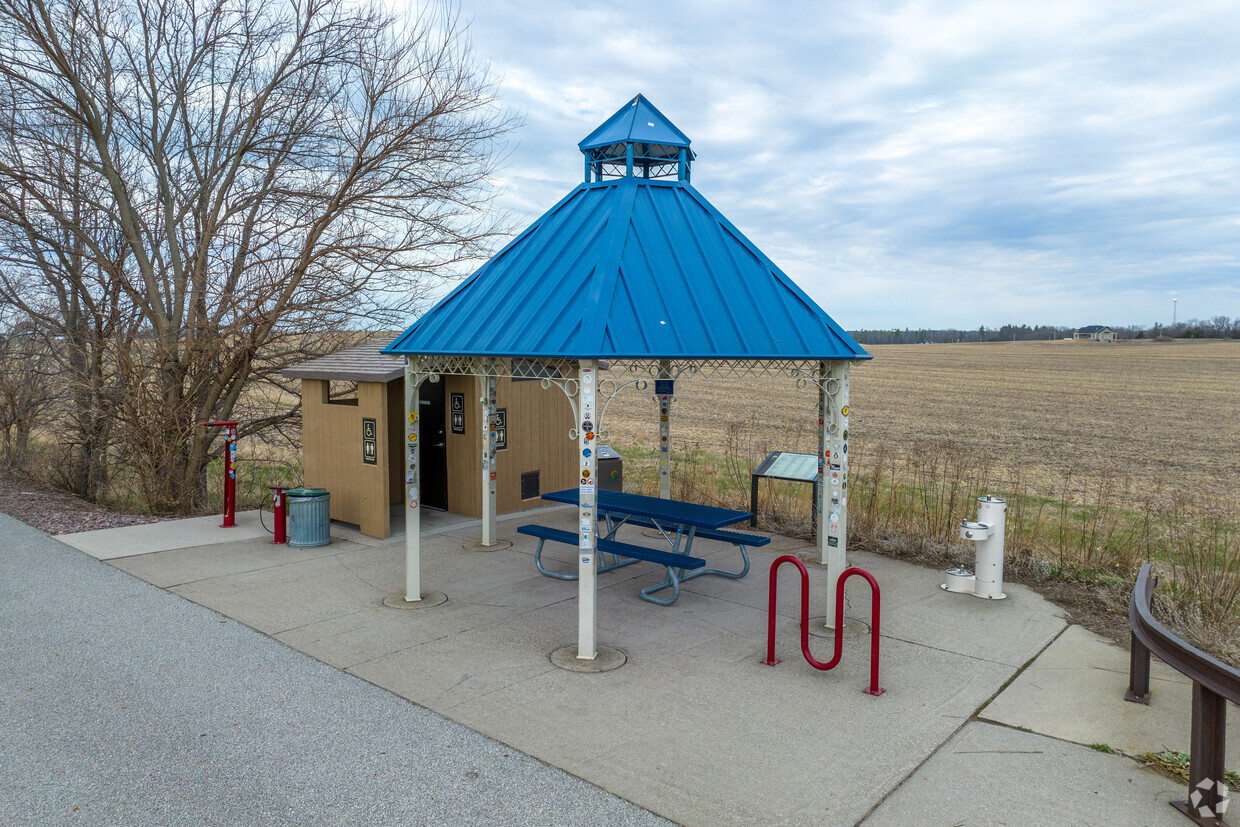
point(332, 454)
point(464, 450)
point(396, 441)
point(538, 423)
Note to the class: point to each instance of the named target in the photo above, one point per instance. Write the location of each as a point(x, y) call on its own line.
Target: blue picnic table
point(678, 522)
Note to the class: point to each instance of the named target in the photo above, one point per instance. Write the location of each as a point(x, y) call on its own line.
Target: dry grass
point(1110, 456)
point(1158, 414)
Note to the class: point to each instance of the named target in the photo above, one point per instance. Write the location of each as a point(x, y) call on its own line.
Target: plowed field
point(1155, 413)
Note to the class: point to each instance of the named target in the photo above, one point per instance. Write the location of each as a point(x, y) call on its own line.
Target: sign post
point(413, 475)
point(664, 390)
point(488, 459)
point(587, 610)
point(833, 474)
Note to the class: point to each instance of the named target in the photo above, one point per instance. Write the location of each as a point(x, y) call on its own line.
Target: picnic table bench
point(623, 554)
point(678, 522)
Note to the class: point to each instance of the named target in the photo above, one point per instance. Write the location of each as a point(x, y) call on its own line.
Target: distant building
point(1096, 332)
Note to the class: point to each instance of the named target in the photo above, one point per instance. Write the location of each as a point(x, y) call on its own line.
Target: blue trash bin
point(309, 517)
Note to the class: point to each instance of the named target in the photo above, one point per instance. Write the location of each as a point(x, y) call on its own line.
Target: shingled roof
point(363, 363)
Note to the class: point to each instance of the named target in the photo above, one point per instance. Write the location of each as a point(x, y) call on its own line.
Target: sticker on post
point(833, 541)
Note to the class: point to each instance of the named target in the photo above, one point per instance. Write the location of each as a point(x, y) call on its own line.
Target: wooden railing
point(1214, 683)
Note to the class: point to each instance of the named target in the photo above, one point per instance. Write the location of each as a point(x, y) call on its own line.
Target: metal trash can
point(309, 517)
point(610, 469)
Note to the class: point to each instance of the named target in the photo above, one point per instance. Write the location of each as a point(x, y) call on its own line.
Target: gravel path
point(124, 704)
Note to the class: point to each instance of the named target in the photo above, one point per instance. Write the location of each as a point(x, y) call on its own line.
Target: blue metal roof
point(629, 268)
point(636, 122)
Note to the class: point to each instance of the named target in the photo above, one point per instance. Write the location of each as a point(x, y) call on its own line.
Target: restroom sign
point(458, 413)
point(370, 442)
point(501, 429)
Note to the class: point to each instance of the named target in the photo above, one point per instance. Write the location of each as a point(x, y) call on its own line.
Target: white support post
point(488, 459)
point(665, 428)
point(412, 477)
point(833, 475)
point(587, 608)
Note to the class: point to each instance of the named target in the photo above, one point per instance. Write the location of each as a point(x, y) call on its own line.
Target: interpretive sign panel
point(783, 465)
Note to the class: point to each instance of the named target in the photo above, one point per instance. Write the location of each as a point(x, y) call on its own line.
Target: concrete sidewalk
point(124, 704)
point(693, 727)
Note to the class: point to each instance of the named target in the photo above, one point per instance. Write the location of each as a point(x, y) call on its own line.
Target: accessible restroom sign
point(370, 442)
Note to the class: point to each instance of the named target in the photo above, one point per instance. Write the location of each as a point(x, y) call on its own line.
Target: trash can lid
point(307, 492)
point(605, 452)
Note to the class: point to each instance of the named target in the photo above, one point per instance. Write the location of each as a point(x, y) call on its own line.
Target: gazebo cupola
point(637, 141)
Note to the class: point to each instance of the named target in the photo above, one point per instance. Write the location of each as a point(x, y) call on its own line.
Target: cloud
point(918, 163)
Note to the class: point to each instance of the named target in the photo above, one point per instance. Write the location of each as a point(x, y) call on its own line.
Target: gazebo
point(633, 277)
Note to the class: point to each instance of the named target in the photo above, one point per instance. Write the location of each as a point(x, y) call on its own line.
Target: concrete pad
point(1075, 691)
point(989, 774)
point(706, 733)
point(915, 609)
point(283, 598)
point(177, 566)
point(692, 727)
point(127, 541)
point(719, 738)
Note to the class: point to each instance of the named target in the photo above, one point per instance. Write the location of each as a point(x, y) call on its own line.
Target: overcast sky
point(917, 164)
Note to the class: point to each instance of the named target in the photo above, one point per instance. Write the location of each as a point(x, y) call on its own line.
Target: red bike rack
point(875, 605)
point(230, 471)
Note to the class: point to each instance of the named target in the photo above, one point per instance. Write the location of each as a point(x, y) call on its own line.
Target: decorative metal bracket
point(828, 384)
point(570, 388)
point(608, 390)
point(421, 376)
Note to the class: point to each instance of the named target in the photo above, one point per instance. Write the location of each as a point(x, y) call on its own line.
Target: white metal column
point(412, 476)
point(587, 608)
point(665, 430)
point(488, 459)
point(833, 475)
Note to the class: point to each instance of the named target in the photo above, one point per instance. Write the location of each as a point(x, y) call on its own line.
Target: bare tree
point(28, 386)
point(252, 178)
point(60, 257)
